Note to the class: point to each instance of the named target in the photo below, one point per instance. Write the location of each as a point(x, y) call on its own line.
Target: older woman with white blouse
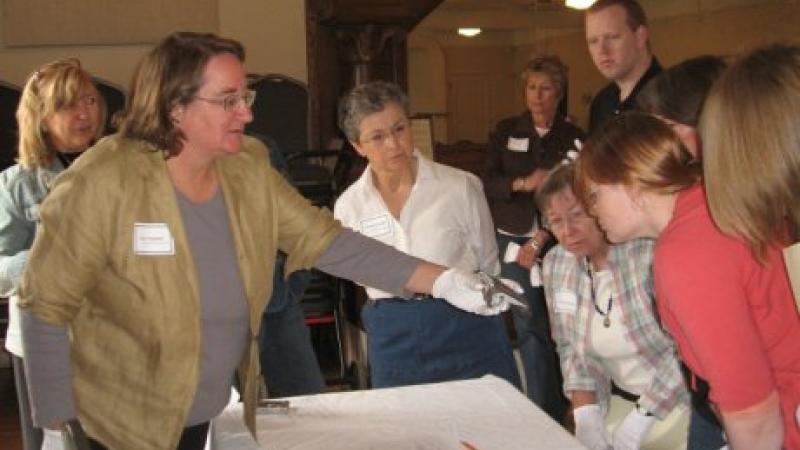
point(430, 211)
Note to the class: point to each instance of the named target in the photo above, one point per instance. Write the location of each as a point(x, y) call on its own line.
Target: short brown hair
point(168, 76)
point(678, 93)
point(550, 65)
point(635, 149)
point(634, 13)
point(52, 87)
point(751, 146)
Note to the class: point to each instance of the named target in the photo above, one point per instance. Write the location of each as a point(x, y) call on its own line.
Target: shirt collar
point(426, 169)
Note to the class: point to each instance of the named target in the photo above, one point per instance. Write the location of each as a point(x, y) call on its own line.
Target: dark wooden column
point(351, 42)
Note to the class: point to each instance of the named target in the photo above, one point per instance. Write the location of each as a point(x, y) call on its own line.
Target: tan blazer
point(134, 319)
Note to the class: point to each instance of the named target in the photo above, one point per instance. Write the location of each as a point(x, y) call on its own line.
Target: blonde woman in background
point(60, 115)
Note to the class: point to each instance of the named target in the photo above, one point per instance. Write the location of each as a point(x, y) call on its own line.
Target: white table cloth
point(487, 413)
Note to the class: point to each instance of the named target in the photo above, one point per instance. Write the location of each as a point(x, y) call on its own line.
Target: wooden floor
point(10, 435)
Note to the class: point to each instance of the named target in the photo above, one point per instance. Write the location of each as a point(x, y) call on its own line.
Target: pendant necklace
point(607, 313)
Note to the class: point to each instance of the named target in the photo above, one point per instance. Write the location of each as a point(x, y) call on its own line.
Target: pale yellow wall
point(724, 32)
point(427, 84)
point(482, 89)
point(273, 32)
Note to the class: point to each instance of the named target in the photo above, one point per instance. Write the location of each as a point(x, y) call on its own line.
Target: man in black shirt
point(617, 35)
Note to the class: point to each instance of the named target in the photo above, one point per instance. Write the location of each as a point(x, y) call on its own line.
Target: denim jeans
point(428, 341)
point(704, 435)
point(288, 360)
point(537, 350)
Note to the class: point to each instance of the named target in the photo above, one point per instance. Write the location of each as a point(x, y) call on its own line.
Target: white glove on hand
point(590, 427)
point(52, 440)
point(630, 433)
point(463, 290)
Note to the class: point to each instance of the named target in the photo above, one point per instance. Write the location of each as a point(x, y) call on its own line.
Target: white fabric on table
point(488, 413)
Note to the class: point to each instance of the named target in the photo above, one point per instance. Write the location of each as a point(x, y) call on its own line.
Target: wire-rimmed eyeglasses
point(230, 101)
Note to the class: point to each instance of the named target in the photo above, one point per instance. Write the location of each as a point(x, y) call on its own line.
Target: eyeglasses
point(231, 101)
point(572, 217)
point(379, 138)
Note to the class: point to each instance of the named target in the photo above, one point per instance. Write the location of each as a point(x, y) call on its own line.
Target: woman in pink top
point(732, 315)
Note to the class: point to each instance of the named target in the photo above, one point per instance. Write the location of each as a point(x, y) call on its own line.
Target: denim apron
point(429, 340)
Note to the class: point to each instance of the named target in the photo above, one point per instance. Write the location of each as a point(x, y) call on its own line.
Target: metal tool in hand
point(492, 286)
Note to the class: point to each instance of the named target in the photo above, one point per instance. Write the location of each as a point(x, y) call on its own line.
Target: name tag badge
point(517, 144)
point(566, 302)
point(152, 239)
point(376, 226)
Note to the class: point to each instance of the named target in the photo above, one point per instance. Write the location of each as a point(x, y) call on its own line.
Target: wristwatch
point(535, 244)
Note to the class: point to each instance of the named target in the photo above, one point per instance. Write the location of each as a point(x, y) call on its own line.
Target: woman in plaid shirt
point(600, 301)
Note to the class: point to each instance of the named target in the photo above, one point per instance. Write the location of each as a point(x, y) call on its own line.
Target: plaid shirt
point(568, 294)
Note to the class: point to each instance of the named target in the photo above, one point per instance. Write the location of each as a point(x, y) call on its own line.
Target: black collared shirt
point(606, 103)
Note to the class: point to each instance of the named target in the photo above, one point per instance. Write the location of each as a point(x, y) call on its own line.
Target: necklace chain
point(607, 313)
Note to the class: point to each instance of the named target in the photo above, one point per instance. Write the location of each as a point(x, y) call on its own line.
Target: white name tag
point(152, 239)
point(376, 226)
point(517, 144)
point(566, 302)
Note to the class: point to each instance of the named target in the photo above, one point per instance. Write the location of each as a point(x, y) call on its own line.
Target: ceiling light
point(579, 4)
point(469, 32)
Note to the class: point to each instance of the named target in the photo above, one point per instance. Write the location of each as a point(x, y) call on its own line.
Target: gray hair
point(367, 99)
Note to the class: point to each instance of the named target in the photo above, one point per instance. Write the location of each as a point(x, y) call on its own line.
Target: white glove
point(463, 290)
point(590, 427)
point(630, 433)
point(52, 440)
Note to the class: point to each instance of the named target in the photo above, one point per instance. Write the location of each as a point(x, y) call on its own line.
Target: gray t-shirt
point(224, 310)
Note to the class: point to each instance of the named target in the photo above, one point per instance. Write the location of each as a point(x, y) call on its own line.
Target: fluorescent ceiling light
point(579, 4)
point(469, 32)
